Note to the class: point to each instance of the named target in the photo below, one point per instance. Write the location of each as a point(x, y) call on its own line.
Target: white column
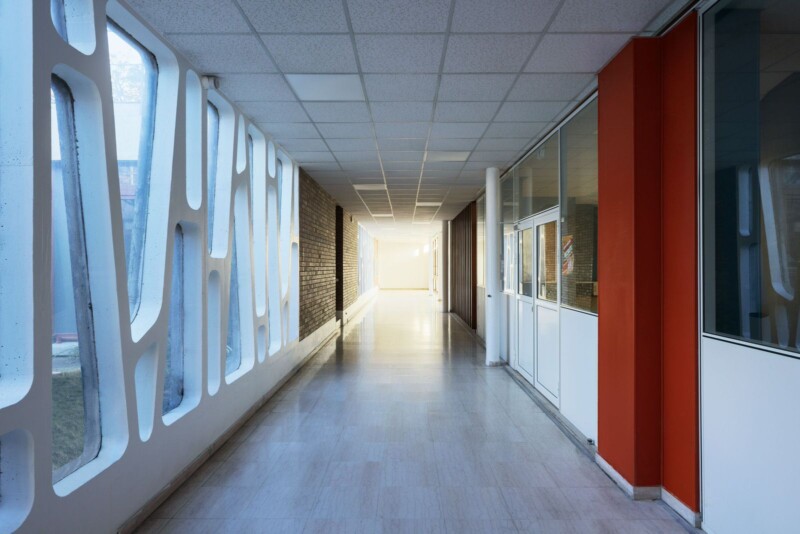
point(492, 269)
point(445, 266)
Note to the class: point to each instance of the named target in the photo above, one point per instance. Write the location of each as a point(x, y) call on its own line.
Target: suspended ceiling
point(397, 107)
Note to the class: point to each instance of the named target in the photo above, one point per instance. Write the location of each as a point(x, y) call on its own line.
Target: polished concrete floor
point(396, 426)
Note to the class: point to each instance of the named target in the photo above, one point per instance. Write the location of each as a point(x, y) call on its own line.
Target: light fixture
point(428, 204)
point(369, 187)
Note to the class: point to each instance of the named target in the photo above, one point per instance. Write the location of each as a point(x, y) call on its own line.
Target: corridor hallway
point(397, 426)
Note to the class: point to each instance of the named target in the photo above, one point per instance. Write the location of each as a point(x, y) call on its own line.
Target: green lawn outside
point(67, 417)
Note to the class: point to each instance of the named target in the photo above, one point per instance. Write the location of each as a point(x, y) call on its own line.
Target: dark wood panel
point(463, 267)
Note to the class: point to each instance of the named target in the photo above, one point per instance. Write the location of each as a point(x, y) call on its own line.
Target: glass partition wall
point(561, 171)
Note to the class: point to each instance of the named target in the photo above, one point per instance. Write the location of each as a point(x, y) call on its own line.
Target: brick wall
point(349, 265)
point(317, 256)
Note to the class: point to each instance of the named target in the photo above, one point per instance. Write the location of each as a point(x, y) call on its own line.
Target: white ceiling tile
point(515, 129)
point(322, 87)
point(402, 129)
point(509, 143)
point(221, 53)
point(400, 53)
point(444, 165)
point(372, 166)
point(530, 111)
point(357, 155)
point(269, 87)
point(299, 145)
point(575, 52)
point(313, 157)
point(401, 144)
point(549, 86)
point(320, 53)
point(495, 156)
point(290, 130)
point(397, 87)
point(474, 87)
point(351, 144)
point(502, 15)
point(401, 111)
point(266, 112)
point(487, 53)
point(402, 166)
point(345, 130)
point(399, 16)
point(458, 129)
point(606, 16)
point(338, 111)
point(308, 16)
point(465, 111)
point(198, 16)
point(310, 167)
point(402, 155)
point(452, 144)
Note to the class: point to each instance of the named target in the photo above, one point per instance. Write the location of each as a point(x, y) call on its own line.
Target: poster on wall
point(567, 255)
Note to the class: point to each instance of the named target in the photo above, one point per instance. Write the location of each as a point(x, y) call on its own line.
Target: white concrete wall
point(750, 430)
point(142, 450)
point(403, 264)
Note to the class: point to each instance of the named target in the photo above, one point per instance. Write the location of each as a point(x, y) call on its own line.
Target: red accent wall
point(629, 262)
point(647, 265)
point(681, 450)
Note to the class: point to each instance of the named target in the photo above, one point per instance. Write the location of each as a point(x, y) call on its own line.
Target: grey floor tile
point(397, 426)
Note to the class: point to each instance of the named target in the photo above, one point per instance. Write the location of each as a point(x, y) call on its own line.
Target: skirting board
point(347, 315)
point(689, 515)
point(637, 493)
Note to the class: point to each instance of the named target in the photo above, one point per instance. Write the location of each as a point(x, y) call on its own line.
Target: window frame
point(703, 12)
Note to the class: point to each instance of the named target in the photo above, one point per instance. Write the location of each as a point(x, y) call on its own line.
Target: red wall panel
point(679, 203)
point(647, 265)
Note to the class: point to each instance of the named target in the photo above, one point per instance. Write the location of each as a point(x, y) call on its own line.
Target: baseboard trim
point(152, 505)
point(360, 303)
point(689, 515)
point(637, 493)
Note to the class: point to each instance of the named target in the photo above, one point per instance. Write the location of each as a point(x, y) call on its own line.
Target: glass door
point(545, 305)
point(525, 339)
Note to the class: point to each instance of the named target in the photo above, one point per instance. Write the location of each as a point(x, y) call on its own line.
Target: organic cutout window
point(212, 148)
point(75, 398)
point(134, 76)
point(233, 345)
point(174, 375)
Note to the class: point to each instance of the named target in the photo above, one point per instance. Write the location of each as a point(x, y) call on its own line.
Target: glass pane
point(173, 380)
point(526, 262)
point(579, 210)
point(547, 252)
point(212, 145)
point(480, 239)
point(751, 172)
point(76, 410)
point(508, 212)
point(537, 179)
point(133, 83)
point(507, 270)
point(233, 346)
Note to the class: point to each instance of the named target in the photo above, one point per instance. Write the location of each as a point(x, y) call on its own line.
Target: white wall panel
point(750, 425)
point(579, 370)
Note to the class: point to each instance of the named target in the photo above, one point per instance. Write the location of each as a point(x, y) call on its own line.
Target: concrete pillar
point(492, 269)
point(445, 267)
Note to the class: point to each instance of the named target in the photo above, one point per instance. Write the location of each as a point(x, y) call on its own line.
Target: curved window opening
point(134, 76)
point(173, 377)
point(212, 149)
point(75, 399)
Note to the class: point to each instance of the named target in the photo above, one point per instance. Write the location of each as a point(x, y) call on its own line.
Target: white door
point(525, 337)
point(545, 307)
